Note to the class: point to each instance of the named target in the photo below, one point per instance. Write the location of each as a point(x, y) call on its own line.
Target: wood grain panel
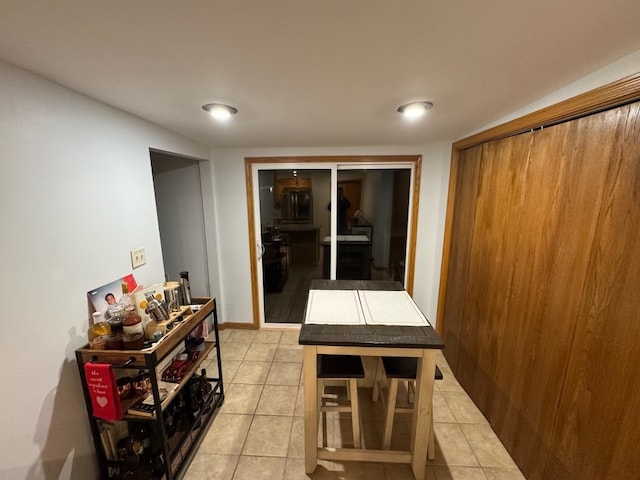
point(461, 234)
point(563, 184)
point(492, 257)
point(540, 313)
point(598, 423)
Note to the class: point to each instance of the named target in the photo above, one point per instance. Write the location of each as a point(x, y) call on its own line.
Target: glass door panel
point(372, 223)
point(294, 220)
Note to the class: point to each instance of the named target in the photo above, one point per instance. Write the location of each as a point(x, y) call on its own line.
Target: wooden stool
point(348, 368)
point(395, 369)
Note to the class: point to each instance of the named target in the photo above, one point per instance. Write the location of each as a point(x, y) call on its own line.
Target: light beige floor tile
point(233, 351)
point(458, 473)
point(284, 374)
point(326, 429)
point(400, 471)
point(227, 434)
point(296, 441)
point(278, 400)
point(368, 408)
point(295, 470)
point(468, 450)
point(452, 448)
point(463, 408)
point(241, 336)
point(448, 382)
point(290, 338)
point(299, 412)
point(503, 474)
point(229, 369)
point(268, 436)
point(441, 411)
point(211, 466)
point(372, 439)
point(487, 447)
point(211, 365)
point(343, 433)
point(241, 398)
point(223, 335)
point(252, 372)
point(288, 353)
point(267, 336)
point(260, 468)
point(362, 471)
point(261, 352)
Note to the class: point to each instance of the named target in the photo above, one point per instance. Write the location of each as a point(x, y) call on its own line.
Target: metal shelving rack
point(176, 453)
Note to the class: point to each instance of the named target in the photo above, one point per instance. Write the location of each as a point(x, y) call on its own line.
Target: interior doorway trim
point(249, 162)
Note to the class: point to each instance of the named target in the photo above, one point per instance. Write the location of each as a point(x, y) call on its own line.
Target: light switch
point(138, 258)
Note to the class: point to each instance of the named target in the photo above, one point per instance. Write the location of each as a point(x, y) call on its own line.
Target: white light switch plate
point(138, 258)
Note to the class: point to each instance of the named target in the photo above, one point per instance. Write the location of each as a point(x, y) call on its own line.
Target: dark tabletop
point(367, 335)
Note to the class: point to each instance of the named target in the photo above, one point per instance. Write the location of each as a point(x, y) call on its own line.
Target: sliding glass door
point(326, 220)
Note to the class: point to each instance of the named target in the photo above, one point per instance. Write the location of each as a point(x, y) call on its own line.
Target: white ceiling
point(317, 73)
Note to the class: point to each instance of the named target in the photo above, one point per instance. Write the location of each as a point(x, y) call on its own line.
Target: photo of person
point(110, 298)
point(110, 293)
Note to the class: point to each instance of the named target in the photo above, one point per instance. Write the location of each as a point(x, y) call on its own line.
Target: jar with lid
point(132, 322)
point(114, 310)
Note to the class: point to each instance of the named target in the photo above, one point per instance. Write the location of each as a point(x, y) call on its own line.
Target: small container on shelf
point(132, 341)
point(114, 341)
point(142, 383)
point(116, 324)
point(132, 323)
point(98, 343)
point(124, 387)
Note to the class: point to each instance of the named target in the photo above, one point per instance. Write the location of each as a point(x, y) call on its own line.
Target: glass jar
point(115, 310)
point(132, 323)
point(116, 324)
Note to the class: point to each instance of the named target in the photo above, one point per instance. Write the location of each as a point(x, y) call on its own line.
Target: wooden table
point(369, 340)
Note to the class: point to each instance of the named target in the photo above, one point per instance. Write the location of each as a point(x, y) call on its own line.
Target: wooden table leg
point(310, 409)
point(422, 412)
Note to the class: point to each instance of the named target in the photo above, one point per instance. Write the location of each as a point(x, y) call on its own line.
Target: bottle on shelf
point(126, 299)
point(185, 288)
point(99, 327)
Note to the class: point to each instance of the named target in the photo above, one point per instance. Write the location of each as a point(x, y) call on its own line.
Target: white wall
point(76, 194)
point(181, 223)
point(229, 186)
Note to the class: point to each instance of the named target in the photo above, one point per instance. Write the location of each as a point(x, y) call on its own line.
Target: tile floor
point(258, 433)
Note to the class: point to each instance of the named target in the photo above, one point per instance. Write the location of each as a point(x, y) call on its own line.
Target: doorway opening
point(180, 210)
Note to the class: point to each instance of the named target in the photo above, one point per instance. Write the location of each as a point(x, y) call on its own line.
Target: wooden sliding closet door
point(465, 205)
point(541, 319)
point(597, 431)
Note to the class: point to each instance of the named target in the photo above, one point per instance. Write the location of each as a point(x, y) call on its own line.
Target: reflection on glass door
point(373, 206)
point(294, 218)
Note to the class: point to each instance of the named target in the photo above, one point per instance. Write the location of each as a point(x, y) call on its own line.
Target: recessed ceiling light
point(414, 109)
point(220, 111)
